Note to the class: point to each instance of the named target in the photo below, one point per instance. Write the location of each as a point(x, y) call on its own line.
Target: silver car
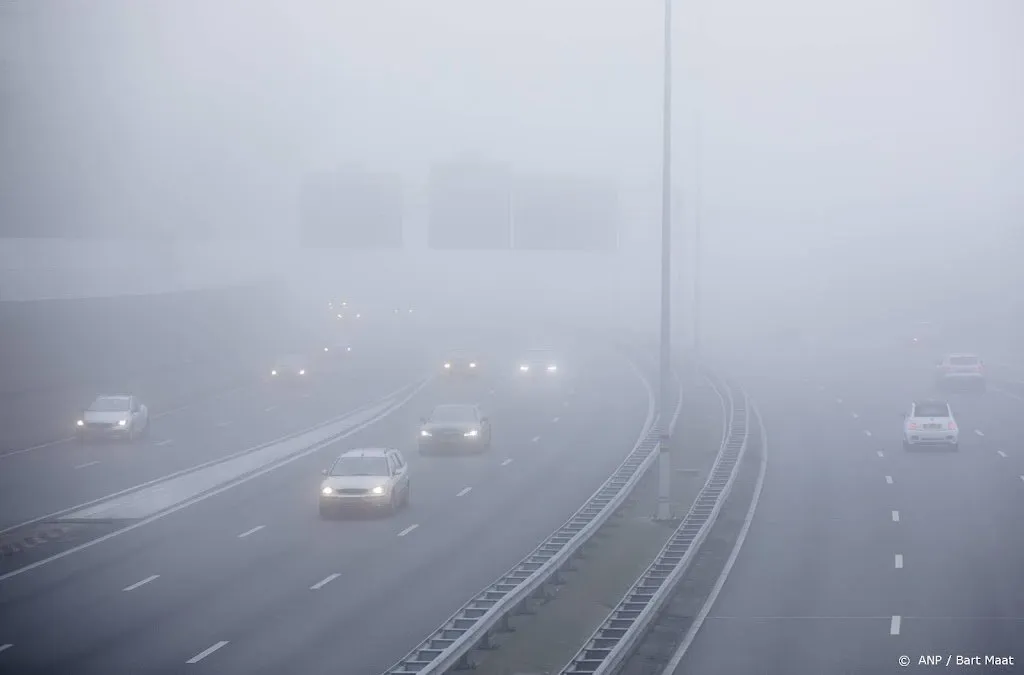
point(374, 479)
point(456, 427)
point(122, 417)
point(961, 370)
point(930, 424)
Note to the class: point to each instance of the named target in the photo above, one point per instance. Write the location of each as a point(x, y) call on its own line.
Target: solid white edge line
point(463, 492)
point(141, 583)
point(698, 621)
point(888, 479)
point(252, 531)
point(899, 561)
point(88, 464)
point(895, 516)
point(323, 582)
point(5, 647)
point(408, 530)
point(894, 625)
point(206, 495)
point(206, 652)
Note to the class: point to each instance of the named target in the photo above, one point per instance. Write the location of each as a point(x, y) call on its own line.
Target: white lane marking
point(82, 466)
point(899, 561)
point(509, 461)
point(854, 415)
point(4, 648)
point(408, 530)
point(463, 492)
point(141, 583)
point(698, 621)
point(270, 408)
point(895, 516)
point(888, 479)
point(407, 393)
point(979, 432)
point(881, 454)
point(491, 392)
point(206, 652)
point(894, 625)
point(839, 401)
point(556, 419)
point(166, 441)
point(221, 425)
point(323, 582)
point(535, 439)
point(867, 433)
point(1001, 454)
point(252, 531)
point(22, 451)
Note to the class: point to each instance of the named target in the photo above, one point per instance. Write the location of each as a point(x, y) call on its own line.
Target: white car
point(365, 479)
point(120, 416)
point(961, 369)
point(930, 424)
point(538, 362)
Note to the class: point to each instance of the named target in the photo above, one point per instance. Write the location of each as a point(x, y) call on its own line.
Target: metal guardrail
point(613, 642)
point(473, 626)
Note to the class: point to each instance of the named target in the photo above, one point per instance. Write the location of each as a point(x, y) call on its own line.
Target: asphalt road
point(57, 476)
point(256, 573)
point(861, 553)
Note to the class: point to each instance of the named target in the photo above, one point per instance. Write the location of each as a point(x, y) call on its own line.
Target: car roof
point(113, 397)
point(961, 354)
point(931, 401)
point(455, 406)
point(366, 452)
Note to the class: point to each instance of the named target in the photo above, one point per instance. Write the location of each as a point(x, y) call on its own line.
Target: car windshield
point(292, 362)
point(109, 404)
point(963, 360)
point(931, 410)
point(453, 413)
point(360, 466)
point(539, 355)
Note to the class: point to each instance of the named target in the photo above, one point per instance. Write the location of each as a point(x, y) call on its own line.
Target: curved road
point(860, 553)
point(254, 573)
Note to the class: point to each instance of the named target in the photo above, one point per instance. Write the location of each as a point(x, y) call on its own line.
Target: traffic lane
point(192, 542)
point(36, 484)
point(375, 612)
point(962, 551)
point(990, 422)
point(811, 590)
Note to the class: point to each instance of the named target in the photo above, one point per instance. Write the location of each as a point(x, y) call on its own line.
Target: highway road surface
point(250, 580)
point(861, 554)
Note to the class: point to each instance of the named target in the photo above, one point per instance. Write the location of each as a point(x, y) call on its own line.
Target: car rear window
point(931, 410)
point(963, 360)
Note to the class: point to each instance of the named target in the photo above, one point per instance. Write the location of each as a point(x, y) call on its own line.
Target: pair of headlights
point(469, 434)
point(120, 423)
point(448, 365)
point(301, 372)
point(524, 368)
point(379, 490)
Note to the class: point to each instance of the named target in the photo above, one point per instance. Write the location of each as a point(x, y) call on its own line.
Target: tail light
point(952, 426)
point(913, 425)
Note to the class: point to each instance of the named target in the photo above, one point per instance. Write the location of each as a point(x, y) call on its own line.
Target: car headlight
point(552, 368)
point(327, 349)
point(327, 491)
point(447, 365)
point(273, 372)
point(122, 423)
point(472, 365)
point(524, 368)
point(348, 349)
point(379, 490)
point(359, 316)
point(472, 432)
point(80, 423)
point(340, 316)
point(424, 432)
point(302, 372)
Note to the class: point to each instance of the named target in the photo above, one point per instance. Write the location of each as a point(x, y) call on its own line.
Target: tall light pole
point(697, 238)
point(664, 412)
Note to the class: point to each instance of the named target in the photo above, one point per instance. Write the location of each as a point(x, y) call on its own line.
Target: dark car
point(455, 427)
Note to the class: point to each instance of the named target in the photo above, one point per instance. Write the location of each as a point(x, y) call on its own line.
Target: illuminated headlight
point(344, 304)
point(122, 423)
point(302, 372)
point(273, 372)
point(447, 365)
point(472, 365)
point(552, 368)
point(410, 310)
point(523, 369)
point(471, 432)
point(348, 349)
point(327, 491)
point(359, 316)
point(379, 490)
point(340, 316)
point(424, 432)
point(327, 349)
point(80, 423)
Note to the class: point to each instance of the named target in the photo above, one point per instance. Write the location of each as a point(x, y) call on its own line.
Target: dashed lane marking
point(888, 479)
point(270, 408)
point(556, 419)
point(895, 516)
point(899, 561)
point(979, 432)
point(491, 392)
point(894, 625)
point(252, 531)
point(839, 401)
point(87, 464)
point(141, 583)
point(166, 441)
point(509, 461)
point(206, 652)
point(221, 425)
point(4, 648)
point(535, 439)
point(463, 492)
point(880, 453)
point(408, 530)
point(854, 415)
point(867, 433)
point(323, 582)
point(1001, 454)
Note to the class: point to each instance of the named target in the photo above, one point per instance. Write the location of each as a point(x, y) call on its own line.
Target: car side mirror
point(323, 472)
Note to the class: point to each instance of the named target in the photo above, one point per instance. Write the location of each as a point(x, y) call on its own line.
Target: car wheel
point(906, 446)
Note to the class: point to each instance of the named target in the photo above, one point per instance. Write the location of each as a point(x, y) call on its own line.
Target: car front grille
point(353, 491)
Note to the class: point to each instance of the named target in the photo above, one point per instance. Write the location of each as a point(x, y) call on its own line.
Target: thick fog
point(846, 162)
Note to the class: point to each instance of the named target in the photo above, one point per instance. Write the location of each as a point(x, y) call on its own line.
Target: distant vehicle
point(455, 427)
point(290, 367)
point(336, 350)
point(367, 478)
point(538, 362)
point(460, 363)
point(121, 416)
point(930, 423)
point(961, 370)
